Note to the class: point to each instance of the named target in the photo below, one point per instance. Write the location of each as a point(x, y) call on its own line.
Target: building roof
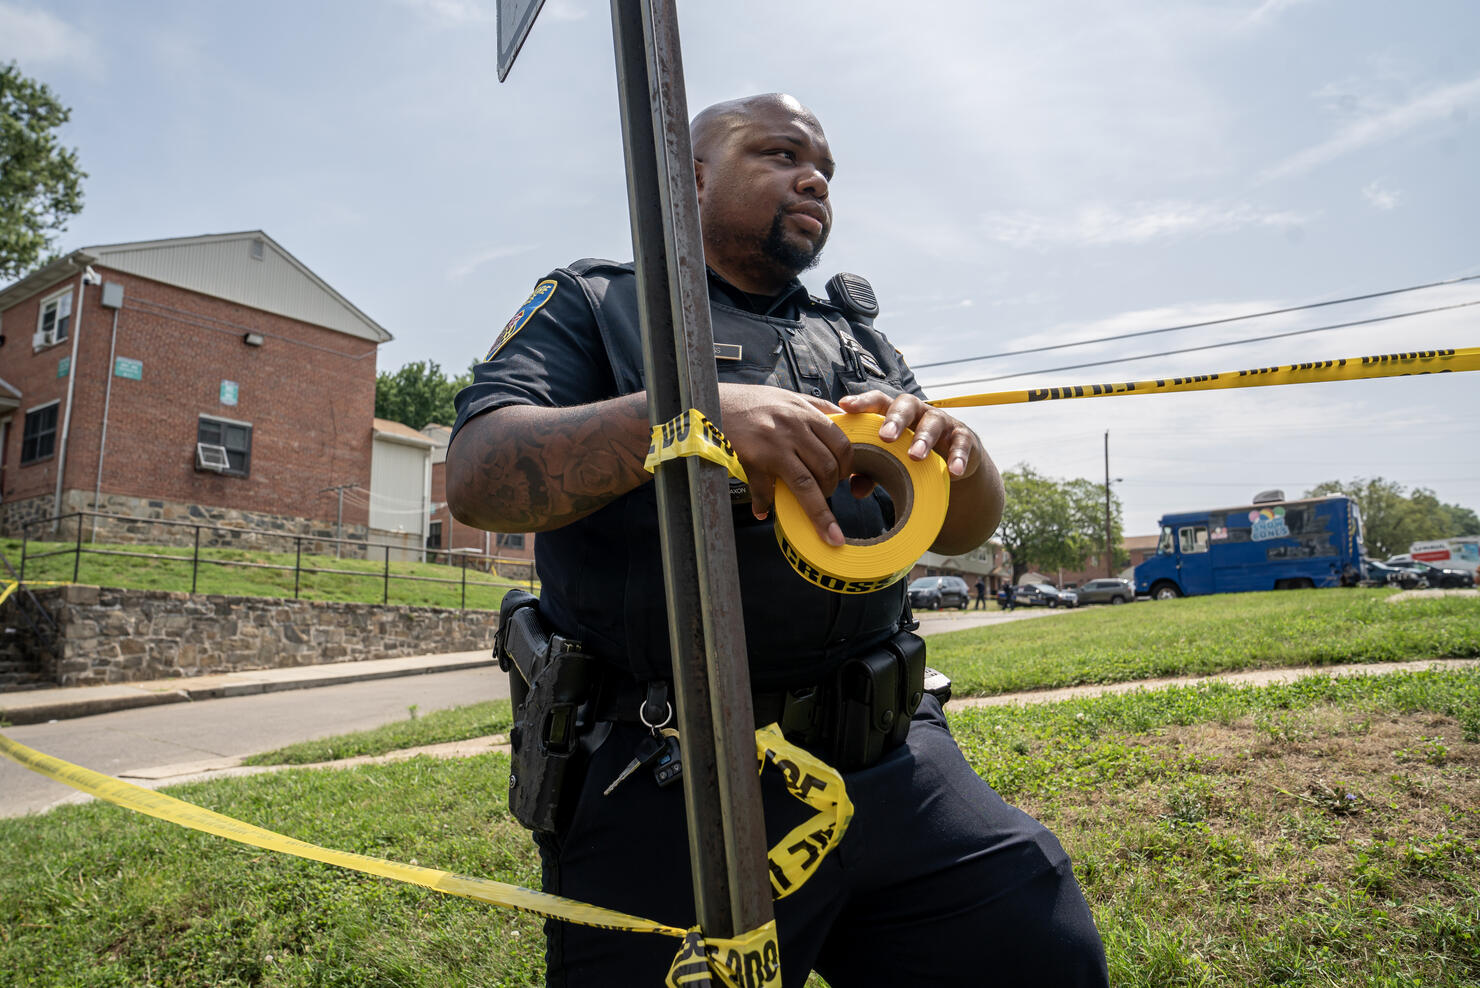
point(10, 396)
point(1133, 542)
point(249, 268)
point(397, 433)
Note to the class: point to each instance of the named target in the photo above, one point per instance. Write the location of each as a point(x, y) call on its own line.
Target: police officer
point(551, 437)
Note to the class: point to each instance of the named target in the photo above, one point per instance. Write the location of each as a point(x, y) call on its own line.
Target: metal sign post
point(706, 627)
point(727, 847)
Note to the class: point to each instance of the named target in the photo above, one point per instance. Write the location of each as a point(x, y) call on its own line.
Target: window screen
point(235, 437)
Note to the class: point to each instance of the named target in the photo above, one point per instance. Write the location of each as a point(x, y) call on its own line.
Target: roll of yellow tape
point(920, 490)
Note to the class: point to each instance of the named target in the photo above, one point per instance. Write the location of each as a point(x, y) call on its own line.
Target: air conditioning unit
point(209, 456)
point(1269, 497)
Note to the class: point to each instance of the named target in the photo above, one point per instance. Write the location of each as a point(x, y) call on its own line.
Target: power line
point(1198, 325)
point(1208, 346)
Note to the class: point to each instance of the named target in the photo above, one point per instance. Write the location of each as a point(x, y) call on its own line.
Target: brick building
point(195, 378)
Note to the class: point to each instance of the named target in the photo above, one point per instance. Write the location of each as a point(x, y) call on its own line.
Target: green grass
point(364, 581)
point(437, 727)
point(1321, 833)
point(1202, 635)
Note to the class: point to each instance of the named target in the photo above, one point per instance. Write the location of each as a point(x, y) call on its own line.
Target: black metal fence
point(458, 558)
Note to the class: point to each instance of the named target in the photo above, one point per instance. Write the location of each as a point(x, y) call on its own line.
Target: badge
point(542, 293)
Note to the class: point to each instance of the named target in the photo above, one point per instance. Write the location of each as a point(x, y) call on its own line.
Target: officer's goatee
point(786, 253)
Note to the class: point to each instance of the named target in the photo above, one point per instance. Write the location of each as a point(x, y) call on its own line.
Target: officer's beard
point(786, 253)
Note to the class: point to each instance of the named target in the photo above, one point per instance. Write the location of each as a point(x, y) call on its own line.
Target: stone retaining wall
point(111, 635)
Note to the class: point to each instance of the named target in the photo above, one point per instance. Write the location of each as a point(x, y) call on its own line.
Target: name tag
point(727, 351)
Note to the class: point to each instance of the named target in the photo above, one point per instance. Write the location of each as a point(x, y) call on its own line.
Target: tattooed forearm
point(530, 469)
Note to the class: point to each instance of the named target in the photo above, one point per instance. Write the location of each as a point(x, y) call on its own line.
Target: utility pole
point(339, 517)
point(1109, 550)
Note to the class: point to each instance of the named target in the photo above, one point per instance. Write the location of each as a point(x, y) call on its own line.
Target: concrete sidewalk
point(62, 703)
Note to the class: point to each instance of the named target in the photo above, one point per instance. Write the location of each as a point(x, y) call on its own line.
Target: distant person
point(1011, 596)
point(981, 594)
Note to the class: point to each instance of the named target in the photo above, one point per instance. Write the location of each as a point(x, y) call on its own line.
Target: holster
point(550, 684)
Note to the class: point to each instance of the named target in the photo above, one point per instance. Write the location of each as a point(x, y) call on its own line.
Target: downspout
point(103, 438)
point(426, 506)
point(56, 504)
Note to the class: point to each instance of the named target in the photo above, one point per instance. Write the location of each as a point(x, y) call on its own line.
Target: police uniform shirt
point(577, 340)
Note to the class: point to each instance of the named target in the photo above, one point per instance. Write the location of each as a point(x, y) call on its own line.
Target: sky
point(1010, 177)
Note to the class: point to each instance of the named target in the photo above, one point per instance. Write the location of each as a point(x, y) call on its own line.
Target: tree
point(1048, 523)
point(1392, 521)
point(419, 393)
point(40, 183)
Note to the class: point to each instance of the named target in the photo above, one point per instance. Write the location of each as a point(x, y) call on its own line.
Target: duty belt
point(862, 711)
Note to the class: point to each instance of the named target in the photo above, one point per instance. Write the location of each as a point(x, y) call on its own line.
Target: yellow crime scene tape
point(921, 489)
point(1312, 372)
point(12, 585)
point(750, 960)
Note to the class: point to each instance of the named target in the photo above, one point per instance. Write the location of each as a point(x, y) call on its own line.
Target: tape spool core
point(883, 469)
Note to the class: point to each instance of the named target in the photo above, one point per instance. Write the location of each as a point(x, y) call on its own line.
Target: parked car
point(1381, 574)
point(1036, 595)
point(1441, 576)
point(1107, 591)
point(1068, 597)
point(935, 592)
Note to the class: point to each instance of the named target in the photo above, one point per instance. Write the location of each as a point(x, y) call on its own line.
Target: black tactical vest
point(602, 575)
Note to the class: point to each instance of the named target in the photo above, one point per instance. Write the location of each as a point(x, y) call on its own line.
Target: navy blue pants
point(937, 881)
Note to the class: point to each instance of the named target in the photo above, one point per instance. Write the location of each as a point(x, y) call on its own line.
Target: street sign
point(515, 18)
point(129, 368)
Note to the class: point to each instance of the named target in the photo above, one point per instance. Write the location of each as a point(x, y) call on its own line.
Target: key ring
point(667, 716)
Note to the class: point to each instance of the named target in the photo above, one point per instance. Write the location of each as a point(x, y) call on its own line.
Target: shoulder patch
point(542, 293)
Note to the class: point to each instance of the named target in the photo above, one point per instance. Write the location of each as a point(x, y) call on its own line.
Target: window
point(434, 535)
point(1193, 538)
point(1164, 546)
point(234, 437)
point(53, 320)
point(39, 440)
point(515, 541)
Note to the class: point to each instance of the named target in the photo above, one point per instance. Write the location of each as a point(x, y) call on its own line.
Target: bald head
point(716, 125)
point(763, 169)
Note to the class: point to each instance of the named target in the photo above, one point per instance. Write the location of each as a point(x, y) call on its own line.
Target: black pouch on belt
point(877, 694)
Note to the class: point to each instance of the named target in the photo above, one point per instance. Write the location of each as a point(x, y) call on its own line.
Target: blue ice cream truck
point(1272, 544)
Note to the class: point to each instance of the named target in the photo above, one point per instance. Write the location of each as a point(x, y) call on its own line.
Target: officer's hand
point(785, 436)
point(933, 428)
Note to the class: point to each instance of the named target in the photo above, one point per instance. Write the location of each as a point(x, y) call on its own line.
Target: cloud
point(456, 11)
point(1270, 9)
point(470, 264)
point(1445, 103)
point(35, 37)
point(562, 10)
point(1100, 225)
point(1381, 197)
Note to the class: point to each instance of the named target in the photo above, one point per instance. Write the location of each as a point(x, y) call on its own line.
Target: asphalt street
point(133, 742)
point(150, 742)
